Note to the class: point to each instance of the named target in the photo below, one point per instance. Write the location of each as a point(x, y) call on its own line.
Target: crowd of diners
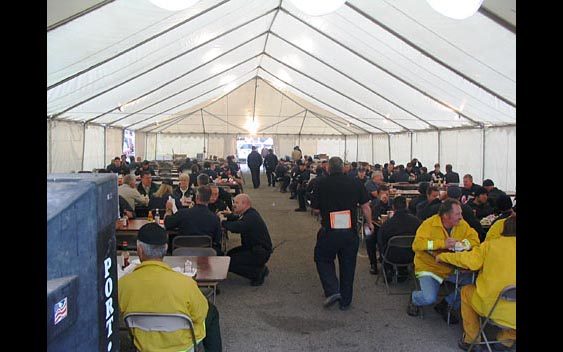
point(447, 214)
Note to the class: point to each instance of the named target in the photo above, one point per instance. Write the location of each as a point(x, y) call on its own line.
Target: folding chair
point(397, 243)
point(457, 288)
point(508, 294)
point(202, 241)
point(165, 322)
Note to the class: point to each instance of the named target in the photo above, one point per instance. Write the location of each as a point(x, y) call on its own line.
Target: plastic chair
point(165, 322)
point(194, 251)
point(397, 243)
point(507, 294)
point(201, 241)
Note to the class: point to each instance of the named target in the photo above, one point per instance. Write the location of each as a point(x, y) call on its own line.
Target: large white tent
point(373, 81)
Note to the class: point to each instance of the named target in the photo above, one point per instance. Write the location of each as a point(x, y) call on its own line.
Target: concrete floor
point(286, 313)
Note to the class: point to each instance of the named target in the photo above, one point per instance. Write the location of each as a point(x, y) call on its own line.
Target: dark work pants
point(247, 262)
point(301, 196)
point(271, 178)
point(371, 246)
point(255, 173)
point(344, 244)
point(285, 183)
point(212, 341)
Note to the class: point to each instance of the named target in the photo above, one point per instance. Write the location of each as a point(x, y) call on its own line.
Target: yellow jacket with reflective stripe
point(496, 260)
point(495, 230)
point(154, 287)
point(431, 236)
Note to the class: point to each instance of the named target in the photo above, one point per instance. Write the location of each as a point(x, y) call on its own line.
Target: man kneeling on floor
point(439, 233)
point(250, 258)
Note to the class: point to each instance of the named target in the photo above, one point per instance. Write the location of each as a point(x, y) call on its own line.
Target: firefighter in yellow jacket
point(445, 231)
point(496, 261)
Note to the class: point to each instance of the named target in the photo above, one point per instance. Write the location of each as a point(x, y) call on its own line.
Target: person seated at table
point(146, 186)
point(379, 206)
point(432, 198)
point(225, 171)
point(207, 170)
point(117, 167)
point(193, 175)
point(301, 186)
point(129, 192)
point(186, 166)
point(362, 175)
point(437, 234)
point(215, 203)
point(160, 197)
point(249, 259)
point(410, 172)
point(479, 204)
point(422, 188)
point(154, 287)
point(232, 164)
point(437, 175)
point(183, 191)
point(125, 209)
point(400, 175)
point(282, 175)
point(469, 188)
point(295, 180)
point(373, 185)
point(454, 192)
point(145, 166)
point(401, 224)
point(451, 176)
point(197, 220)
point(493, 195)
point(423, 176)
point(496, 262)
point(505, 205)
point(203, 179)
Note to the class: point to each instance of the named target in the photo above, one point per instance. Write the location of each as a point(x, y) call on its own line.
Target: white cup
point(390, 213)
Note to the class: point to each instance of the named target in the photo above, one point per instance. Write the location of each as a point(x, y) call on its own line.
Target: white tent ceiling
point(373, 66)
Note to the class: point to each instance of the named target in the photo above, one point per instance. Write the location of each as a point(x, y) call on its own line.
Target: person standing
point(336, 198)
point(254, 161)
point(250, 258)
point(270, 163)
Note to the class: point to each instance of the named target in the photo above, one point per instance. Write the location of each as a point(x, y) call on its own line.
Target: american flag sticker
point(60, 310)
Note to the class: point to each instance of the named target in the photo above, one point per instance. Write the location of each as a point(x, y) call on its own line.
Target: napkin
point(174, 207)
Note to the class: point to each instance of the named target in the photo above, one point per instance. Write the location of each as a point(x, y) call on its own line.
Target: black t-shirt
point(338, 192)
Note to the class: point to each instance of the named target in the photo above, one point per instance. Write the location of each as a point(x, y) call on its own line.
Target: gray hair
point(376, 173)
point(128, 179)
point(183, 176)
point(335, 164)
point(153, 251)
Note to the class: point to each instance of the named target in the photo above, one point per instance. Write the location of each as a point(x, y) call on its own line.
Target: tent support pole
point(389, 146)
point(372, 154)
point(83, 145)
point(439, 148)
point(155, 145)
point(411, 134)
point(345, 147)
point(357, 143)
point(50, 145)
point(105, 144)
point(483, 156)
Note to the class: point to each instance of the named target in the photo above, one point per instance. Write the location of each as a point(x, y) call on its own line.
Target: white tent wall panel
point(308, 145)
point(168, 144)
point(500, 157)
point(151, 146)
point(380, 148)
point(94, 157)
point(351, 151)
point(425, 149)
point(66, 147)
point(464, 150)
point(283, 144)
point(114, 144)
point(140, 145)
point(220, 145)
point(400, 148)
point(365, 151)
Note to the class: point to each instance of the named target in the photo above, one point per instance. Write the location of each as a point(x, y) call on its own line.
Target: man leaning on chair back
point(154, 287)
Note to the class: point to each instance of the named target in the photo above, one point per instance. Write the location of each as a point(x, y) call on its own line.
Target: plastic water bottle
point(157, 217)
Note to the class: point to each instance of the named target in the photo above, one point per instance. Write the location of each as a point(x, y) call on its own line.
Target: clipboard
point(341, 219)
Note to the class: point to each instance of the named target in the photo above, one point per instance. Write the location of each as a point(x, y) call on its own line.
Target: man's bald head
point(241, 203)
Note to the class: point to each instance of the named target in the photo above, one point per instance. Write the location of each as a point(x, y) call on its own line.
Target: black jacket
point(198, 220)
point(254, 160)
point(270, 162)
point(252, 228)
point(402, 223)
